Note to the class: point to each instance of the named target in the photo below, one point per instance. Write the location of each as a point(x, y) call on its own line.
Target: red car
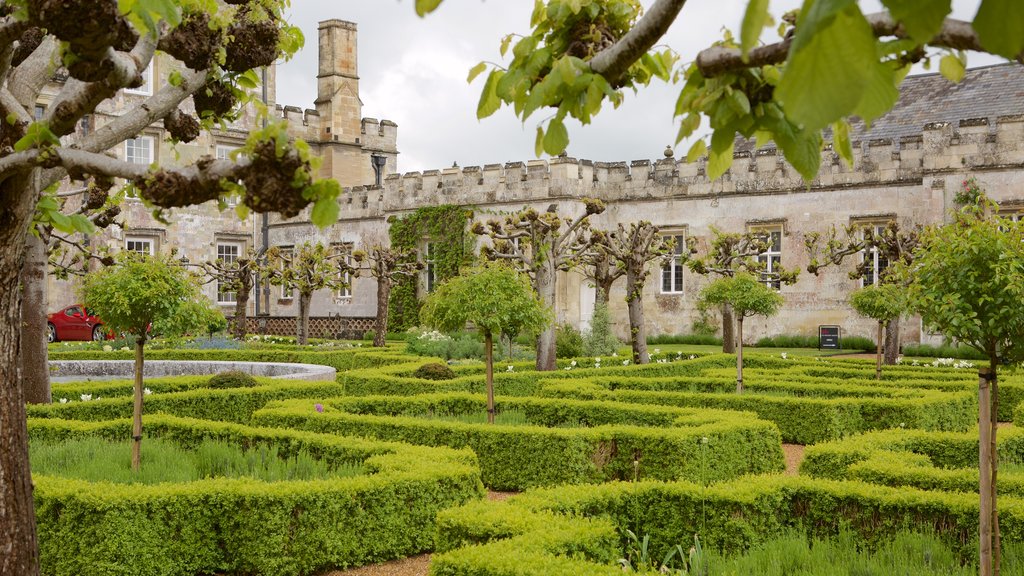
point(75, 322)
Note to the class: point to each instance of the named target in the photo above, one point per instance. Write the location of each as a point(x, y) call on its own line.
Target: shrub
point(944, 351)
point(802, 341)
point(568, 341)
point(690, 339)
point(232, 379)
point(434, 371)
point(599, 340)
point(368, 335)
point(424, 342)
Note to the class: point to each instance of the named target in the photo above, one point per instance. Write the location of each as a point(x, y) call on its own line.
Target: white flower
point(783, 355)
point(703, 439)
point(86, 397)
point(573, 363)
point(568, 368)
point(147, 391)
point(625, 362)
point(63, 400)
point(693, 356)
point(615, 354)
point(124, 348)
point(597, 360)
point(657, 350)
point(510, 368)
point(107, 348)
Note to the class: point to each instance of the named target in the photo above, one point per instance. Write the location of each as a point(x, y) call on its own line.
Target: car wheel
point(98, 333)
point(51, 333)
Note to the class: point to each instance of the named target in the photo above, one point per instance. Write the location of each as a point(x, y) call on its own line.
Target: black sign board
point(828, 338)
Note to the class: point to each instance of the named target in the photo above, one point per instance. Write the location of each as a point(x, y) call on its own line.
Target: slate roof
point(984, 92)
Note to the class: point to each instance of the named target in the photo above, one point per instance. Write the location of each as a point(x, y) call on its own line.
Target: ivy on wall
point(452, 247)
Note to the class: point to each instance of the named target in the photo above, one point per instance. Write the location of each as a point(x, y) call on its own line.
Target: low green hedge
point(230, 404)
point(801, 419)
point(568, 530)
point(946, 461)
point(244, 526)
point(612, 441)
point(1018, 415)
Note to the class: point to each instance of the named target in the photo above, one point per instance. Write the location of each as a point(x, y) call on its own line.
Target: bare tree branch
point(28, 78)
point(10, 105)
point(954, 34)
point(612, 62)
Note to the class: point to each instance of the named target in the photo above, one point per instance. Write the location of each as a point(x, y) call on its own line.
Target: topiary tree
point(132, 296)
point(198, 316)
point(747, 296)
point(541, 245)
point(493, 297)
point(308, 268)
point(883, 303)
point(631, 250)
point(237, 276)
point(388, 266)
point(967, 281)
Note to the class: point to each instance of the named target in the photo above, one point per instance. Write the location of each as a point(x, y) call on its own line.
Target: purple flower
point(319, 407)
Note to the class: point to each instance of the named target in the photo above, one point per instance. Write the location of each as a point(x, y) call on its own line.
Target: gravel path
point(794, 454)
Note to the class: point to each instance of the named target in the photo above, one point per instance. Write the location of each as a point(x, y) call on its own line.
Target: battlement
point(972, 144)
point(375, 134)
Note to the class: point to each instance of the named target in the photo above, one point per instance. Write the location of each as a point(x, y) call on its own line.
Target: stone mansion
point(909, 165)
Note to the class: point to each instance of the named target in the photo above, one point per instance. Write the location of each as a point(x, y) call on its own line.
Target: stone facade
point(908, 166)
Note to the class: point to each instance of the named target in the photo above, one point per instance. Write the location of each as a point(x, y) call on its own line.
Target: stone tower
point(347, 140)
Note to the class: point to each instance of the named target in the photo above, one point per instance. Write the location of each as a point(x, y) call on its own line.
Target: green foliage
point(493, 297)
point(698, 339)
point(451, 248)
point(245, 526)
point(800, 341)
point(968, 281)
point(138, 292)
point(434, 371)
point(458, 346)
point(564, 440)
point(746, 295)
point(310, 267)
point(944, 351)
point(193, 317)
point(98, 460)
point(599, 339)
point(568, 341)
point(880, 302)
point(232, 379)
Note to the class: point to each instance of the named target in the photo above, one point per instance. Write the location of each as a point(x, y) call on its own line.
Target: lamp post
point(378, 162)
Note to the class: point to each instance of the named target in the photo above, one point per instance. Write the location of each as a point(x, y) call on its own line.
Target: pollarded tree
point(883, 303)
point(387, 266)
point(631, 251)
point(541, 244)
point(107, 45)
point(878, 247)
point(306, 269)
point(967, 281)
point(597, 267)
point(734, 253)
point(131, 297)
point(238, 277)
point(493, 297)
point(747, 296)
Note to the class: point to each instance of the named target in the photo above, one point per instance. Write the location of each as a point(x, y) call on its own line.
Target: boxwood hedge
point(244, 526)
point(605, 441)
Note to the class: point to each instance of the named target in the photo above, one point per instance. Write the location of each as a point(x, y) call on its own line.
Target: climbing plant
point(445, 227)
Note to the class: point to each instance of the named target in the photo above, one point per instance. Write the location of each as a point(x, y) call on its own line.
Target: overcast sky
point(413, 72)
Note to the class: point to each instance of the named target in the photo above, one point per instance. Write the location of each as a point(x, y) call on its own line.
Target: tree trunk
point(728, 330)
point(380, 325)
point(739, 355)
point(603, 281)
point(241, 327)
point(997, 548)
point(302, 321)
point(137, 408)
point(18, 544)
point(892, 342)
point(635, 305)
point(489, 357)
point(546, 289)
point(35, 370)
point(985, 490)
point(878, 350)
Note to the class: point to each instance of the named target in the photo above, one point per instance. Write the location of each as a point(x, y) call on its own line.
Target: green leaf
point(825, 79)
point(1000, 27)
point(489, 101)
point(754, 21)
point(952, 67)
point(325, 212)
point(505, 43)
point(424, 7)
point(61, 222)
point(922, 19)
point(880, 93)
point(556, 138)
point(720, 158)
point(82, 224)
point(538, 146)
point(698, 149)
point(841, 141)
point(476, 71)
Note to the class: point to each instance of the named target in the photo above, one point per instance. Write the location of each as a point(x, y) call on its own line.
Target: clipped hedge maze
point(558, 441)
point(244, 526)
